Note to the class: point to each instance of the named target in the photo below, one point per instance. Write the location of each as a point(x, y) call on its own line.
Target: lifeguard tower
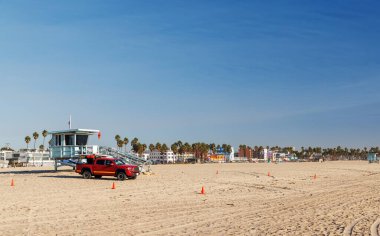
point(67, 147)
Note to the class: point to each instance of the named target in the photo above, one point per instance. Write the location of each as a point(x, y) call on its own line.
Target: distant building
point(316, 157)
point(5, 156)
point(221, 156)
point(185, 157)
point(162, 158)
point(25, 157)
point(145, 155)
point(246, 152)
point(217, 157)
point(264, 155)
point(231, 156)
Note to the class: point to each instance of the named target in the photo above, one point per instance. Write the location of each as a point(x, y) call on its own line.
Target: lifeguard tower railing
point(63, 152)
point(128, 157)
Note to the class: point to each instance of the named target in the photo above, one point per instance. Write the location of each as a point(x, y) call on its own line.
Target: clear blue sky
point(289, 73)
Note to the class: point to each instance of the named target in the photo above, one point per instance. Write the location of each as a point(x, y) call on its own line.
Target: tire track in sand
point(349, 228)
point(375, 228)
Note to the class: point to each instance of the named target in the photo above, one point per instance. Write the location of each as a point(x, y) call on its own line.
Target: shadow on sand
point(108, 178)
point(24, 172)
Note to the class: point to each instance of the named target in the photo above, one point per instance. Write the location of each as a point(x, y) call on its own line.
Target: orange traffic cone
point(113, 185)
point(315, 176)
point(217, 172)
point(268, 173)
point(12, 183)
point(203, 190)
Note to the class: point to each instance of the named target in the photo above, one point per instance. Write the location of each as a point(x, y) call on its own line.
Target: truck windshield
point(119, 162)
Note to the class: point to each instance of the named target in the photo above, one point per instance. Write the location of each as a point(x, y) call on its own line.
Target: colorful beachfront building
point(246, 151)
point(221, 156)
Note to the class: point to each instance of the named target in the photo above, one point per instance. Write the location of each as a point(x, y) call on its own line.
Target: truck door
point(110, 167)
point(104, 167)
point(100, 168)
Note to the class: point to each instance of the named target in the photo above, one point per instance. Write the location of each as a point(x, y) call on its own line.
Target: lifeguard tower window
point(81, 140)
point(69, 140)
point(58, 140)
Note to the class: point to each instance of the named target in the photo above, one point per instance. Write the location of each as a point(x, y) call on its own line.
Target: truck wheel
point(121, 176)
point(98, 176)
point(86, 174)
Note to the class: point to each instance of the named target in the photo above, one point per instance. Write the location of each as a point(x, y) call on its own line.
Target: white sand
point(240, 200)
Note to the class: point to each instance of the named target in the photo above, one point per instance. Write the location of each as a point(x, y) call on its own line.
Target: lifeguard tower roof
point(76, 131)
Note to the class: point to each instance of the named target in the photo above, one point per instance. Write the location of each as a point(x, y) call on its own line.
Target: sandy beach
point(240, 199)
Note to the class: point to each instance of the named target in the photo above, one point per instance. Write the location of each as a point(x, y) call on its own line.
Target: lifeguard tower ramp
point(66, 146)
point(128, 157)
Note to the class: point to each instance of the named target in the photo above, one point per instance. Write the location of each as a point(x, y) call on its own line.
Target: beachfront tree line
point(200, 150)
point(335, 153)
point(36, 135)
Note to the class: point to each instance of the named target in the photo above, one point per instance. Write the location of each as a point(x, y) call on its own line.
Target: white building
point(185, 157)
point(265, 154)
point(25, 157)
point(145, 155)
point(162, 158)
point(5, 156)
point(231, 155)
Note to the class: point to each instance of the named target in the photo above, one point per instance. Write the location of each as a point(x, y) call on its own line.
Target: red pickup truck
point(105, 166)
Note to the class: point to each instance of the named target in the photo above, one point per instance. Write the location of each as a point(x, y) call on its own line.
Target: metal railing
point(128, 157)
point(72, 151)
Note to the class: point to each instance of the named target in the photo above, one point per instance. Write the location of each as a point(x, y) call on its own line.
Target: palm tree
point(134, 144)
point(196, 149)
point(35, 136)
point(224, 146)
point(204, 148)
point(179, 143)
point(151, 147)
point(136, 147)
point(134, 141)
point(187, 148)
point(213, 148)
point(120, 144)
point(126, 141)
point(117, 138)
point(229, 149)
point(164, 148)
point(27, 140)
point(141, 148)
point(44, 134)
point(158, 146)
point(174, 148)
